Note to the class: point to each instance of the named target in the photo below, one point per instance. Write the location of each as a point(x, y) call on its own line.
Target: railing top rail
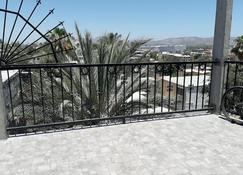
point(32, 66)
point(234, 62)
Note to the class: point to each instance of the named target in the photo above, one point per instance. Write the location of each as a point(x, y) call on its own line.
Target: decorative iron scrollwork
point(159, 68)
point(84, 71)
point(14, 50)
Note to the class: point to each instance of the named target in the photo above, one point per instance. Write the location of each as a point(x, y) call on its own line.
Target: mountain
point(187, 41)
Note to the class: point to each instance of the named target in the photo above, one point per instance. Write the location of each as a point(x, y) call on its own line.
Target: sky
point(155, 19)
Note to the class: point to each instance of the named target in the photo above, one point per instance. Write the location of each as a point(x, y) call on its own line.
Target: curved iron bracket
point(34, 28)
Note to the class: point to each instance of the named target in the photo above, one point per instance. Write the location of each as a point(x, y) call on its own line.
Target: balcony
point(180, 135)
point(178, 100)
point(203, 144)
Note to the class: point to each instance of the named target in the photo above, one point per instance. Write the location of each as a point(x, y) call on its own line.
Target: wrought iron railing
point(50, 97)
point(234, 74)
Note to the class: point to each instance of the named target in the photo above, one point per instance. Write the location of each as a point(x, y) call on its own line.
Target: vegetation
point(83, 90)
point(238, 48)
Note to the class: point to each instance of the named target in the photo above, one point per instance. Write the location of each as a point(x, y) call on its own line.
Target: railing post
point(3, 132)
point(220, 50)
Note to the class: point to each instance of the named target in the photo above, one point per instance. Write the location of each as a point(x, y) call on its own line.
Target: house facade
point(190, 92)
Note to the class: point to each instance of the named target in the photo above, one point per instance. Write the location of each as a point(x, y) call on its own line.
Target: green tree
point(84, 89)
point(238, 48)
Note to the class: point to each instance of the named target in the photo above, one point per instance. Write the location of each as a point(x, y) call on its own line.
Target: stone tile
point(197, 145)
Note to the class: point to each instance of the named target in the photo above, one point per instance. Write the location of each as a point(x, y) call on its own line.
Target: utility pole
point(220, 50)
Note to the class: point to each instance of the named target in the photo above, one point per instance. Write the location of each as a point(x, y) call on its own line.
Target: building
point(10, 78)
point(188, 88)
point(176, 56)
point(166, 48)
point(197, 71)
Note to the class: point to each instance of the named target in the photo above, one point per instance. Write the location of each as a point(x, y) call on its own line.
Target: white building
point(10, 78)
point(177, 56)
point(166, 48)
point(189, 87)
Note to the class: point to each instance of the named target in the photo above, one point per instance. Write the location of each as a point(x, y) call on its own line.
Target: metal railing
point(234, 74)
point(62, 96)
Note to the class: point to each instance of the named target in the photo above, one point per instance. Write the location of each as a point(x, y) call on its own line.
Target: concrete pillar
point(3, 115)
point(220, 50)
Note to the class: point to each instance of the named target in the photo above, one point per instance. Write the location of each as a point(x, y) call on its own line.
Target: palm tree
point(238, 48)
point(90, 91)
point(102, 92)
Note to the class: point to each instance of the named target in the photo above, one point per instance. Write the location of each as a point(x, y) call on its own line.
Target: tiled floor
point(197, 145)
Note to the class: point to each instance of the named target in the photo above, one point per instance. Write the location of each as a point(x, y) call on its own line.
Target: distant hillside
point(188, 41)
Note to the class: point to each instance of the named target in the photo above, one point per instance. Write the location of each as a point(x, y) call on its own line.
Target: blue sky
point(155, 19)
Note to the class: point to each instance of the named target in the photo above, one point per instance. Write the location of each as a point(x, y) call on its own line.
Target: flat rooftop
point(6, 74)
point(203, 144)
point(189, 80)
